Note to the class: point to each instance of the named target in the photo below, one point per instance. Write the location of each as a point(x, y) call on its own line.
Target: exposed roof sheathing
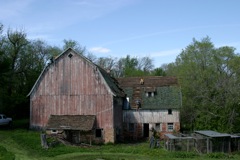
point(153, 81)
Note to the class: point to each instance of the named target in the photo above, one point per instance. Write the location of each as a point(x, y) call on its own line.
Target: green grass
point(21, 143)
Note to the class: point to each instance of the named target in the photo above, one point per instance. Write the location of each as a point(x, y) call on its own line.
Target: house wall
point(72, 86)
point(151, 117)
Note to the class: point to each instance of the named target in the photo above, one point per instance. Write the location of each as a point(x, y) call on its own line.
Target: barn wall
point(72, 86)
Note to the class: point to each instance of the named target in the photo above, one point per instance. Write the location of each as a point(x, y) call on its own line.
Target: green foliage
point(209, 79)
point(159, 72)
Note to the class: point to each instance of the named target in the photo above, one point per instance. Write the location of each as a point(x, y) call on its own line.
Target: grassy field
point(20, 143)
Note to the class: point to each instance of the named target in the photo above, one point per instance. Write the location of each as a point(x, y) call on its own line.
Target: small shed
point(178, 143)
point(74, 128)
point(210, 141)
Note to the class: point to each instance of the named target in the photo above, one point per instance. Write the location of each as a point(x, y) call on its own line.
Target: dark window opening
point(70, 55)
point(169, 111)
point(98, 133)
point(145, 130)
point(131, 127)
point(158, 127)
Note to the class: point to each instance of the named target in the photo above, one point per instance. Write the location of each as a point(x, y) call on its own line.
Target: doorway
point(145, 130)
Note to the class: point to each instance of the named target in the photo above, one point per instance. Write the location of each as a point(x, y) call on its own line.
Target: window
point(131, 127)
point(169, 111)
point(158, 127)
point(170, 126)
point(70, 55)
point(150, 94)
point(98, 133)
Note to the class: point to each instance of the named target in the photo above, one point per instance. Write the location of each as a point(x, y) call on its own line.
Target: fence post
point(44, 141)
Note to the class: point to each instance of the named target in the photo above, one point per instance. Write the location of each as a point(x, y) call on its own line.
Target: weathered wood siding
point(72, 86)
point(150, 116)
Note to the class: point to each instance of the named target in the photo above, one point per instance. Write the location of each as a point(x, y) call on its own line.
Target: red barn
point(73, 85)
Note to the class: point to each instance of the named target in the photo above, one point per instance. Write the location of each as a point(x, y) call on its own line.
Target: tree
point(74, 45)
point(209, 81)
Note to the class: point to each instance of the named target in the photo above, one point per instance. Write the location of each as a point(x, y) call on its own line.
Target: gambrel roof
point(110, 82)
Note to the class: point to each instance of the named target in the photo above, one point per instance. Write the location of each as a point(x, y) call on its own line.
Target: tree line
point(209, 77)
point(22, 60)
point(210, 84)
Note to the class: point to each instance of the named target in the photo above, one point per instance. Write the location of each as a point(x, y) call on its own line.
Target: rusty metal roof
point(71, 122)
point(150, 81)
point(212, 134)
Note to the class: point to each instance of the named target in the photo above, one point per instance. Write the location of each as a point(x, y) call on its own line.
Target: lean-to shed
point(73, 85)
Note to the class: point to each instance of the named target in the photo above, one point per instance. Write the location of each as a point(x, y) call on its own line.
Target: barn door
point(145, 130)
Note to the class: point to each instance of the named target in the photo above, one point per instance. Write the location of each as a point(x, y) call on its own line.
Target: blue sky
point(159, 29)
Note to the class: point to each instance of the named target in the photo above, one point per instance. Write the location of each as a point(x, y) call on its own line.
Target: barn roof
point(110, 81)
point(71, 122)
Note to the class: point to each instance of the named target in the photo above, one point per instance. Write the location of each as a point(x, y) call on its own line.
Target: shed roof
point(212, 134)
point(171, 136)
point(71, 122)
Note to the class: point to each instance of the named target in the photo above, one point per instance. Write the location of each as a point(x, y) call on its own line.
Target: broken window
point(170, 127)
point(158, 127)
point(98, 133)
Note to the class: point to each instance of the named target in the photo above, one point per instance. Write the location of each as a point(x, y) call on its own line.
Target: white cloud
point(99, 50)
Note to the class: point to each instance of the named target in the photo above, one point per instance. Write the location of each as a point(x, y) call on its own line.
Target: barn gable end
point(73, 85)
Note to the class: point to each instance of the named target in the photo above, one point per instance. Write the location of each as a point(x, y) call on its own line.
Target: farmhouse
point(151, 103)
point(71, 89)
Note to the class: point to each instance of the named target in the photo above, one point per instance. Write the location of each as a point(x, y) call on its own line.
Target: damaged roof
point(150, 81)
point(71, 122)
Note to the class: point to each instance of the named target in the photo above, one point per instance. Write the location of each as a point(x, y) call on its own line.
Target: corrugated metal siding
point(150, 116)
point(71, 86)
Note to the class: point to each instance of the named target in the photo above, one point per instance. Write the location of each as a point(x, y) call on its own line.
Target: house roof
point(110, 81)
point(71, 122)
point(165, 92)
point(151, 81)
